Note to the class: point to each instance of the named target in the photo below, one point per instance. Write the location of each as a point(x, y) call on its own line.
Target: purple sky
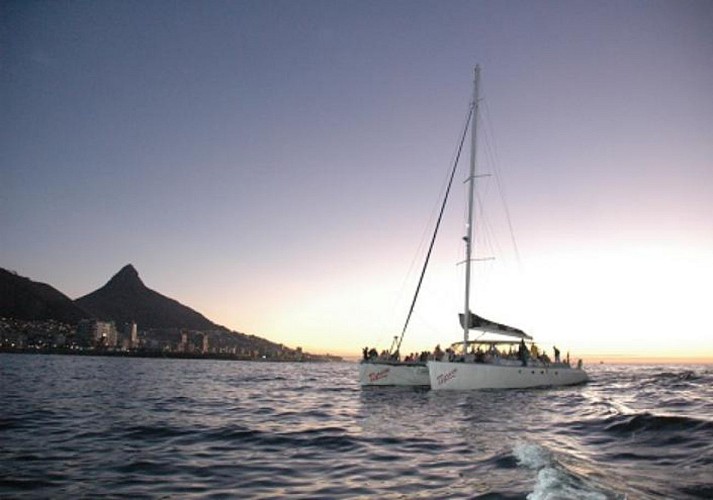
point(275, 164)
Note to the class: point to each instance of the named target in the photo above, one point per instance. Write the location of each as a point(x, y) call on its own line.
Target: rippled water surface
point(75, 426)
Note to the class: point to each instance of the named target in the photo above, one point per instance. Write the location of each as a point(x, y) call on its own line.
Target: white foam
point(553, 482)
point(532, 455)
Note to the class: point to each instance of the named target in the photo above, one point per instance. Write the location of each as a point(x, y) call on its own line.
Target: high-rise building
point(97, 333)
point(183, 346)
point(204, 349)
point(133, 335)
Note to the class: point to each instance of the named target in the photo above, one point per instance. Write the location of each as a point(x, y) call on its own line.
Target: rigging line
point(438, 224)
point(487, 237)
point(498, 180)
point(426, 228)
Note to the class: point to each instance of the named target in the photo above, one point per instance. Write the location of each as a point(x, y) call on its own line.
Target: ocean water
point(90, 427)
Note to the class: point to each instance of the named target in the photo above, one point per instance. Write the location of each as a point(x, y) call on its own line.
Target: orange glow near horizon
point(621, 305)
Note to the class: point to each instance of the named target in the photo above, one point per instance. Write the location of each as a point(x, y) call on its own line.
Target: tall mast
point(471, 190)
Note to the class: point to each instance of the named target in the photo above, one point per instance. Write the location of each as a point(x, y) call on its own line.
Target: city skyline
point(275, 165)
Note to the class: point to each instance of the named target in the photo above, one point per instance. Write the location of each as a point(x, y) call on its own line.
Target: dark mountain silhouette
point(125, 298)
point(22, 298)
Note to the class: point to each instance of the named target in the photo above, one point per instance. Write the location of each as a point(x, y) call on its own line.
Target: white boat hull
point(407, 374)
point(446, 375)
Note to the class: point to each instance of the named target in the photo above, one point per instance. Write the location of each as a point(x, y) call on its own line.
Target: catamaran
point(502, 357)
point(494, 360)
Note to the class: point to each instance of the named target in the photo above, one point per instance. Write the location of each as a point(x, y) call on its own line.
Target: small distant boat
point(482, 364)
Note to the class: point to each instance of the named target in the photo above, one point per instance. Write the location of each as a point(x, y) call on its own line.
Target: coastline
point(307, 358)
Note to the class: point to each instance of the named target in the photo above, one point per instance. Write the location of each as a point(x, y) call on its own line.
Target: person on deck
point(534, 351)
point(522, 353)
point(557, 354)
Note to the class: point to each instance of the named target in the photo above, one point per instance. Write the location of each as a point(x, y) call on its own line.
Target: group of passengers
point(522, 354)
point(374, 355)
point(416, 357)
point(371, 354)
point(490, 355)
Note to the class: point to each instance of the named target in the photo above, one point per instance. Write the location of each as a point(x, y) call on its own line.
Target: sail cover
point(482, 324)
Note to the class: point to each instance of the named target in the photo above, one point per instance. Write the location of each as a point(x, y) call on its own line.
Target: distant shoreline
point(169, 355)
point(645, 360)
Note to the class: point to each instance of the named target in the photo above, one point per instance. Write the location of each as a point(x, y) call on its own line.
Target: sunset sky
point(277, 165)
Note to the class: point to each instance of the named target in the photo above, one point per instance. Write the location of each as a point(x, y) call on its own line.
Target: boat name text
point(445, 377)
point(373, 377)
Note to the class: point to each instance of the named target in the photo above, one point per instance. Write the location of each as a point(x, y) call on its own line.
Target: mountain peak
point(125, 298)
point(128, 269)
point(128, 276)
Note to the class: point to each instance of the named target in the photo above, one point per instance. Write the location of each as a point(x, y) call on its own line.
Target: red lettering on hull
point(445, 377)
point(373, 377)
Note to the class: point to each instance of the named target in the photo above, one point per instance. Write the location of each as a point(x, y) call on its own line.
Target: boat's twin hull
point(406, 374)
point(446, 375)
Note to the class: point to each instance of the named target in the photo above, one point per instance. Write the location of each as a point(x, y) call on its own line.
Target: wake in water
point(555, 481)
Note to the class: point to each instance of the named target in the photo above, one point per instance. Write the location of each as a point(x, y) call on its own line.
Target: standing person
point(522, 352)
point(535, 351)
point(557, 354)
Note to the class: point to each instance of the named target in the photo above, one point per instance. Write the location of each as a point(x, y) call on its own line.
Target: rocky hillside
point(125, 298)
point(24, 299)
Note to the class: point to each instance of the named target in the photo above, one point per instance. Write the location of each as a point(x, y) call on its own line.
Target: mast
point(471, 189)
